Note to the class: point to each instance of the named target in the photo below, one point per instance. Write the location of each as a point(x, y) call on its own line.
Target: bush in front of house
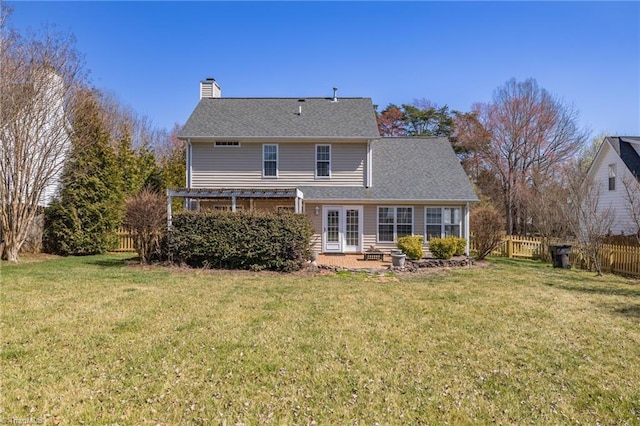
point(460, 244)
point(442, 248)
point(411, 245)
point(250, 240)
point(446, 248)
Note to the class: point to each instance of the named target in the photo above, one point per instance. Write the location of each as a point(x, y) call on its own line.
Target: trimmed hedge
point(243, 240)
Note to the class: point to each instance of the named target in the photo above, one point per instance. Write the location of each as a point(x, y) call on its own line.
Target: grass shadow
point(113, 262)
point(599, 289)
point(632, 311)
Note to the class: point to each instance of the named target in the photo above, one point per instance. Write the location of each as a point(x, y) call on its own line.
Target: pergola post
point(169, 199)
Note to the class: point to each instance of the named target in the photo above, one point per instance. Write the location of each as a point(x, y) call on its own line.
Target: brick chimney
point(209, 88)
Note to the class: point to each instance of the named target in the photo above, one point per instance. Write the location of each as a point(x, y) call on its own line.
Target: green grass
point(99, 341)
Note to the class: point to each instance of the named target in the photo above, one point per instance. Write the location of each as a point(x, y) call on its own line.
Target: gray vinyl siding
point(316, 223)
point(215, 167)
point(370, 223)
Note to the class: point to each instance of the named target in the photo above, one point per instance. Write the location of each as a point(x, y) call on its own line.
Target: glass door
point(331, 229)
point(342, 229)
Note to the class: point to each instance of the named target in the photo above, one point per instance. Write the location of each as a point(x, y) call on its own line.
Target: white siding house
point(616, 165)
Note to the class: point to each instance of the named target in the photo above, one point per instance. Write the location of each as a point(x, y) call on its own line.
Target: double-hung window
point(442, 222)
point(323, 161)
point(270, 160)
point(394, 222)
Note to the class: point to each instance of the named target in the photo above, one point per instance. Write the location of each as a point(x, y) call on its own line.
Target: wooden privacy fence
point(125, 241)
point(616, 259)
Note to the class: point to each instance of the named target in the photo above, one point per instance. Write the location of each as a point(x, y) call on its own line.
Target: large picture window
point(443, 222)
point(323, 161)
point(269, 160)
point(394, 222)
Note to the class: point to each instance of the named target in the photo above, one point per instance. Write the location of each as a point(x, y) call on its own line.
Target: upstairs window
point(323, 161)
point(612, 177)
point(269, 160)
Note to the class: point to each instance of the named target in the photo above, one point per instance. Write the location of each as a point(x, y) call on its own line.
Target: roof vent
point(335, 94)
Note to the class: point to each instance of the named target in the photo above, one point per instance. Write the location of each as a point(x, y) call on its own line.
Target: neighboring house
point(323, 157)
point(36, 138)
point(56, 129)
point(615, 167)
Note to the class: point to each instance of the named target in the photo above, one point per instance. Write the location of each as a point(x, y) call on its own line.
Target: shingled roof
point(411, 169)
point(623, 145)
point(241, 118)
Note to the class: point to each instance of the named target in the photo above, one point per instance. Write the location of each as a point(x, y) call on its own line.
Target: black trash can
point(560, 255)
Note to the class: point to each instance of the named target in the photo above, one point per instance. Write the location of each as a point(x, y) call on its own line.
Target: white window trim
point(611, 174)
point(264, 145)
point(395, 222)
point(442, 221)
point(316, 163)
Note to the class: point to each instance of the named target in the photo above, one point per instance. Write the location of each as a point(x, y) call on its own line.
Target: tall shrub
point(487, 225)
point(146, 220)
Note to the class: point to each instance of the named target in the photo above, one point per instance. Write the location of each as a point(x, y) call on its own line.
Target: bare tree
point(589, 222)
point(146, 219)
point(631, 187)
point(521, 139)
point(488, 229)
point(37, 79)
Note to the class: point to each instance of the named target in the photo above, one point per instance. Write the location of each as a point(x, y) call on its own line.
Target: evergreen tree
point(85, 218)
point(136, 166)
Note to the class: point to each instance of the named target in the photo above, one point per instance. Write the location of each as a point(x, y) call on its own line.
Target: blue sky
point(152, 55)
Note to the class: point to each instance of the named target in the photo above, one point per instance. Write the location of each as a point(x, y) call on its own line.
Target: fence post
point(509, 248)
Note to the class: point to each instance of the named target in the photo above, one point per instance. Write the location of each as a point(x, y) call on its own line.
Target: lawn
point(97, 340)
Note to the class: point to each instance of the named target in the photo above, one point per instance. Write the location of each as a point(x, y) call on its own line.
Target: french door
point(342, 229)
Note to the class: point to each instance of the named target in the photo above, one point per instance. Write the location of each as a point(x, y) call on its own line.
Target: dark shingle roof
point(409, 169)
point(628, 154)
point(279, 117)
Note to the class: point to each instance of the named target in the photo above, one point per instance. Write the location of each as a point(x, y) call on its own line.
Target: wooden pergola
point(233, 194)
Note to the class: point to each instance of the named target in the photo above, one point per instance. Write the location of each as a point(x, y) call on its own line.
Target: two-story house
point(323, 157)
point(616, 171)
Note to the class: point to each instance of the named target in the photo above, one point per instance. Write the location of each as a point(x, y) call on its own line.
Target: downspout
point(467, 232)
